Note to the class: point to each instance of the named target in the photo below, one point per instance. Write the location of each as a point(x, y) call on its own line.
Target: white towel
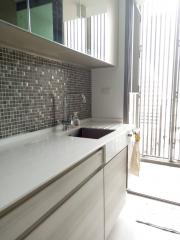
point(135, 157)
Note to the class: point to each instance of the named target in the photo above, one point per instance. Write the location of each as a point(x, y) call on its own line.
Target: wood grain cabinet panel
point(79, 218)
point(21, 218)
point(115, 174)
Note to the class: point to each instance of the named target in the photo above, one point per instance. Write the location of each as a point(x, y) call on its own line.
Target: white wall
point(93, 7)
point(70, 9)
point(108, 84)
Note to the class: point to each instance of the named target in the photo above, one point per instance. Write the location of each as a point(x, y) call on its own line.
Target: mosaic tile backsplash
point(33, 89)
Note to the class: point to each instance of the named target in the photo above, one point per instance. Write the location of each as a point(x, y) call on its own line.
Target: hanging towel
point(135, 157)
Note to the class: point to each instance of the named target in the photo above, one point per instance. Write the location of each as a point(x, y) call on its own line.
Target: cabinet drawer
point(80, 218)
point(22, 217)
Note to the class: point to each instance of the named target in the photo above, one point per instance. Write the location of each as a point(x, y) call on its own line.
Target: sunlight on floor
point(157, 180)
point(138, 208)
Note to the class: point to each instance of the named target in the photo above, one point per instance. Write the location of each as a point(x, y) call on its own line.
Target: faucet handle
point(71, 120)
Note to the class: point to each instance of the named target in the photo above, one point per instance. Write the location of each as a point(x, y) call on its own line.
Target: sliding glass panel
point(97, 26)
point(85, 28)
point(14, 12)
point(176, 135)
point(46, 19)
point(158, 39)
point(74, 25)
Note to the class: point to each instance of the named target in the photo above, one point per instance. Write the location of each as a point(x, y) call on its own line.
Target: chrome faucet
point(67, 121)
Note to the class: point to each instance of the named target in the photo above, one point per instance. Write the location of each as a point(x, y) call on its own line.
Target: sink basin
point(94, 133)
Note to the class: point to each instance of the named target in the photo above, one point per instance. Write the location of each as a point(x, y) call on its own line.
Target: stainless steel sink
point(94, 133)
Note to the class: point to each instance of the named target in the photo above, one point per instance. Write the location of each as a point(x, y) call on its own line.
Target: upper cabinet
point(46, 19)
point(81, 25)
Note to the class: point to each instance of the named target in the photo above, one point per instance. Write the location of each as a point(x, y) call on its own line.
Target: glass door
point(159, 80)
point(159, 102)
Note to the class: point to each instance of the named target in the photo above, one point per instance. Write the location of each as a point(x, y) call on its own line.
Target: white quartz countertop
point(29, 161)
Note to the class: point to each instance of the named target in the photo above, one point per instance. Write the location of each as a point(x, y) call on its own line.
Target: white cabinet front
point(115, 173)
point(80, 217)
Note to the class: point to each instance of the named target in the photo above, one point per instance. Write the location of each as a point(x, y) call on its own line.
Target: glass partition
point(74, 25)
point(47, 19)
point(14, 12)
point(84, 26)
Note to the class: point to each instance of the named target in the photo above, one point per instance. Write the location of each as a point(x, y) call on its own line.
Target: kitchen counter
point(31, 160)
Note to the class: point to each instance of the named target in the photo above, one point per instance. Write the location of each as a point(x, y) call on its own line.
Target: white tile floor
point(157, 180)
point(143, 209)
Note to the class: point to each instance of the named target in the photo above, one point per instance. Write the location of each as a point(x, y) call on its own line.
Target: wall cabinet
point(115, 177)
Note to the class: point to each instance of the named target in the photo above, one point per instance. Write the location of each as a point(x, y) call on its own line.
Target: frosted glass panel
point(46, 19)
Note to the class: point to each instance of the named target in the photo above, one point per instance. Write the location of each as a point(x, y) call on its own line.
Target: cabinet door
point(80, 217)
point(115, 173)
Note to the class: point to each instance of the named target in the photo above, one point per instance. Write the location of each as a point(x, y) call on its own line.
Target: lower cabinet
point(24, 217)
point(80, 217)
point(115, 177)
point(89, 212)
